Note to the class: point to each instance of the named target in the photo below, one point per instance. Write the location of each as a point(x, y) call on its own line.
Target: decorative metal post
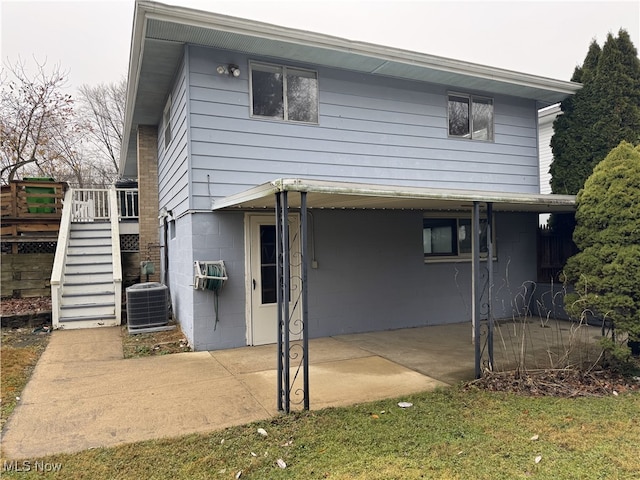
point(286, 293)
point(305, 311)
point(279, 300)
point(476, 284)
point(288, 317)
point(490, 280)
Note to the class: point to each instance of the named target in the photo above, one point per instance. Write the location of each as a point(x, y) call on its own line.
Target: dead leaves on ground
point(566, 383)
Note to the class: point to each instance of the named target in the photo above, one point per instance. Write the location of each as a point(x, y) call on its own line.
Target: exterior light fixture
point(231, 69)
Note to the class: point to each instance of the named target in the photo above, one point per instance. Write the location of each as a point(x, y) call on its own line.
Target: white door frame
point(248, 277)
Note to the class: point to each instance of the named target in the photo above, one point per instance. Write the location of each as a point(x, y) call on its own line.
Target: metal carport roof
point(347, 195)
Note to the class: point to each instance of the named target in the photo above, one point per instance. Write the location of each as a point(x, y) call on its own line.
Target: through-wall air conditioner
point(147, 307)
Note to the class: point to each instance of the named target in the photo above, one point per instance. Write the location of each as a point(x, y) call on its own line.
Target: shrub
point(606, 270)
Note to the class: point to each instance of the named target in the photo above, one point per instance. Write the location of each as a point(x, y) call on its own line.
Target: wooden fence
point(30, 213)
point(31, 207)
point(553, 251)
point(26, 275)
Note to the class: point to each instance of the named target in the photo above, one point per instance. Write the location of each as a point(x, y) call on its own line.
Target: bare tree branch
point(103, 108)
point(32, 111)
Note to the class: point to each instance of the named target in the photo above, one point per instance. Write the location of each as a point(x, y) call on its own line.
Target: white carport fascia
point(329, 194)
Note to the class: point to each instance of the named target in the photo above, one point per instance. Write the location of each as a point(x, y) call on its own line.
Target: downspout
point(165, 253)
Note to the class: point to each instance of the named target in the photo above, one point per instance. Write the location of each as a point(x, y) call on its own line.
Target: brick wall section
point(148, 197)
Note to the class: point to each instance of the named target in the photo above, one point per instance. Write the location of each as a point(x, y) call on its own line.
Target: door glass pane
point(268, 272)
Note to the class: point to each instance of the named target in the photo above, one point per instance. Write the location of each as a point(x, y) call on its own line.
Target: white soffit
point(261, 39)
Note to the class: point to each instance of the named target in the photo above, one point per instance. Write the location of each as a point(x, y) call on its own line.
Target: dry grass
point(19, 353)
point(156, 343)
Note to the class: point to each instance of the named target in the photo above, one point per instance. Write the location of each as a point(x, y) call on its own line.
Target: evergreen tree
point(599, 116)
point(606, 271)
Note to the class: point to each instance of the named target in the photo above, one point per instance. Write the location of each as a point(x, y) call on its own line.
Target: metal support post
point(305, 311)
point(476, 283)
point(490, 279)
point(279, 300)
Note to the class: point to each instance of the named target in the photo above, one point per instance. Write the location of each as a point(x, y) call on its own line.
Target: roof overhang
point(324, 194)
point(161, 31)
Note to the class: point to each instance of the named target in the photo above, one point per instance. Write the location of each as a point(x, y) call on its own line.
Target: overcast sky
point(90, 39)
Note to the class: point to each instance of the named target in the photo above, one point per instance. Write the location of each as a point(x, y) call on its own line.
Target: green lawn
point(447, 434)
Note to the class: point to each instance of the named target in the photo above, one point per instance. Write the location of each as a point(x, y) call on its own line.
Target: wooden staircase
point(86, 283)
point(88, 293)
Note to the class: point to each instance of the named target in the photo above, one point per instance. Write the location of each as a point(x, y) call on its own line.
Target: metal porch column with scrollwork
point(482, 288)
point(292, 320)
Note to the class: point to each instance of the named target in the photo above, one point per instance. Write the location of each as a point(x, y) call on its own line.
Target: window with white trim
point(470, 117)
point(284, 93)
point(450, 237)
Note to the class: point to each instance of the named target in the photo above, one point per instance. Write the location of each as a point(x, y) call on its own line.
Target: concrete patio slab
point(343, 382)
point(445, 352)
point(84, 394)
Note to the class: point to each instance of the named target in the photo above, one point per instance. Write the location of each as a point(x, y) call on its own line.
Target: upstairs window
point(470, 117)
point(284, 93)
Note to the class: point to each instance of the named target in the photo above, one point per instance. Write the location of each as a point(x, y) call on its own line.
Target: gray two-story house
point(402, 176)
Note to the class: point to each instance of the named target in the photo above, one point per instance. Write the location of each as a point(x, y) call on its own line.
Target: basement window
point(449, 238)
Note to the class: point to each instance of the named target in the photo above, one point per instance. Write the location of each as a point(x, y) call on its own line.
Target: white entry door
point(263, 282)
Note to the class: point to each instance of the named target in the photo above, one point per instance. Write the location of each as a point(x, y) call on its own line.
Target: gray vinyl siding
point(371, 129)
point(368, 278)
point(173, 164)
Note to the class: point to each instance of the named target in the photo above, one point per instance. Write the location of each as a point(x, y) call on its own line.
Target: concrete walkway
point(83, 394)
